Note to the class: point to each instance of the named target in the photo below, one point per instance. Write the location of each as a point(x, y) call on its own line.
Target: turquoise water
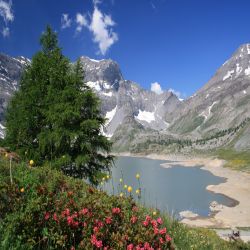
point(169, 189)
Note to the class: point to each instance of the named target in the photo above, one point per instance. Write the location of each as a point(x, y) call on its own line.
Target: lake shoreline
point(236, 187)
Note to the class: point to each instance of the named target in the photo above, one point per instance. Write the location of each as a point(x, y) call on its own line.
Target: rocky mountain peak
point(101, 74)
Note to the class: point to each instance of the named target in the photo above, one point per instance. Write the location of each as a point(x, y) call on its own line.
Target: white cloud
point(81, 21)
point(103, 34)
point(6, 32)
point(7, 14)
point(100, 25)
point(65, 21)
point(156, 87)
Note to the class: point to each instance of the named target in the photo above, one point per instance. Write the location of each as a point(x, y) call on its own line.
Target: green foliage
point(45, 209)
point(187, 123)
point(56, 117)
point(235, 160)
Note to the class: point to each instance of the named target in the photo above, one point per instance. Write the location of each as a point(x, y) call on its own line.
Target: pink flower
point(98, 244)
point(138, 247)
point(116, 210)
point(74, 215)
point(163, 231)
point(159, 220)
point(145, 223)
point(47, 215)
point(135, 209)
point(133, 219)
point(148, 218)
point(93, 239)
point(154, 223)
point(96, 229)
point(84, 211)
point(168, 238)
point(108, 220)
point(130, 247)
point(146, 245)
point(84, 224)
point(72, 248)
point(55, 218)
point(95, 242)
point(69, 220)
point(156, 230)
point(99, 224)
point(66, 212)
point(161, 240)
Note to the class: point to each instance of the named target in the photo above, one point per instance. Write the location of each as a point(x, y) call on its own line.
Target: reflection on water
point(169, 189)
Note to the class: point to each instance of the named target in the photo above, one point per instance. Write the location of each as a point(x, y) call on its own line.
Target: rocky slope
point(136, 116)
point(10, 73)
point(223, 102)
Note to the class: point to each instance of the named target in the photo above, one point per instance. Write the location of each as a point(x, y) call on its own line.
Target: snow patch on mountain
point(2, 129)
point(107, 94)
point(248, 49)
point(94, 85)
point(206, 113)
point(247, 71)
point(238, 69)
point(145, 116)
point(229, 74)
point(110, 115)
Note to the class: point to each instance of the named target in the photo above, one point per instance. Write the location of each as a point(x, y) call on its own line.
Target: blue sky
point(177, 43)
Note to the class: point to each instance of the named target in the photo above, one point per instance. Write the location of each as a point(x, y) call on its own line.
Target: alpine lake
point(170, 190)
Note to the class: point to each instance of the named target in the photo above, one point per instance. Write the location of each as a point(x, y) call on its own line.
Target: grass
point(22, 222)
point(235, 160)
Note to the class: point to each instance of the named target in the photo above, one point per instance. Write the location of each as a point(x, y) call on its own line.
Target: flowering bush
point(43, 209)
point(61, 212)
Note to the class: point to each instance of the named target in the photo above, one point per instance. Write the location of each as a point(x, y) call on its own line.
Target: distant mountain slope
point(10, 73)
point(139, 118)
point(222, 103)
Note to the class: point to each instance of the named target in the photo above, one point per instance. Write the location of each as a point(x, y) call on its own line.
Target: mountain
point(222, 103)
point(10, 74)
point(139, 119)
point(125, 101)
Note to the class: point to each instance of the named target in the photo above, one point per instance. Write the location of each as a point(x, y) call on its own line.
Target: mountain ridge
point(222, 103)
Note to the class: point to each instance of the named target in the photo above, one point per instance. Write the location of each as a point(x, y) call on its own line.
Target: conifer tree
point(55, 117)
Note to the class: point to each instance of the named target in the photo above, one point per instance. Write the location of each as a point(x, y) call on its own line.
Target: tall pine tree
point(55, 117)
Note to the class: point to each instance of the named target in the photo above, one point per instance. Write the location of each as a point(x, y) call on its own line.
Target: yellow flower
point(121, 180)
point(31, 162)
point(137, 191)
point(6, 155)
point(121, 195)
point(22, 190)
point(101, 183)
point(63, 156)
point(125, 186)
point(107, 176)
point(130, 189)
point(137, 176)
point(103, 178)
point(154, 213)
